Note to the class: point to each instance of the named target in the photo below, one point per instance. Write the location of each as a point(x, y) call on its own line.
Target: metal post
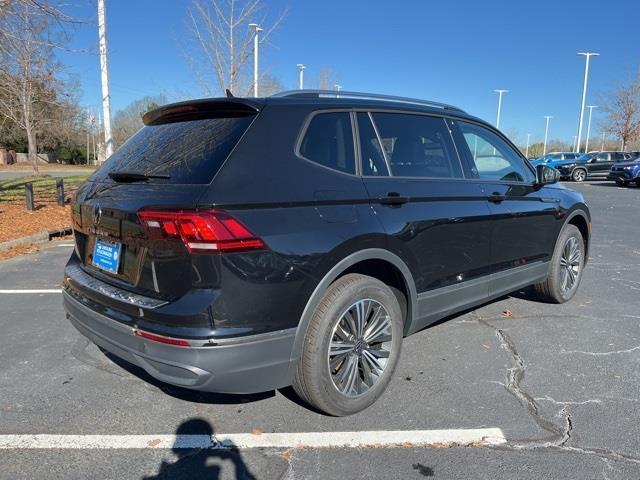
point(587, 56)
point(28, 196)
point(60, 191)
point(256, 29)
point(104, 75)
point(500, 93)
point(301, 66)
point(546, 133)
point(586, 146)
point(528, 138)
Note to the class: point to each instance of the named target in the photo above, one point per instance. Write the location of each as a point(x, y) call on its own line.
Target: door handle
point(393, 198)
point(496, 197)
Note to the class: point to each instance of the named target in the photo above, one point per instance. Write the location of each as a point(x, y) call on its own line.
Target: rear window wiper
point(135, 176)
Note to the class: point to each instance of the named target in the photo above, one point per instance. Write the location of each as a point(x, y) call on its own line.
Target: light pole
point(587, 56)
point(256, 29)
point(546, 133)
point(301, 66)
point(500, 93)
point(586, 146)
point(104, 79)
point(528, 138)
point(573, 145)
point(602, 144)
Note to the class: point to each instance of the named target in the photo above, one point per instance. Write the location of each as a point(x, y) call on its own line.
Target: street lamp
point(500, 93)
point(528, 138)
point(587, 56)
point(301, 66)
point(546, 133)
point(256, 29)
point(586, 146)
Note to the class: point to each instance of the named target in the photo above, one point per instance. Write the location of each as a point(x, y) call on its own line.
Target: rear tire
point(346, 364)
point(579, 175)
point(567, 265)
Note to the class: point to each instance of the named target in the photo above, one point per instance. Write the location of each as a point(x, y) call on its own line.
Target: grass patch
point(44, 187)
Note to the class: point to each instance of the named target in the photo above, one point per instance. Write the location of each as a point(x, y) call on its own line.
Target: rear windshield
point(189, 152)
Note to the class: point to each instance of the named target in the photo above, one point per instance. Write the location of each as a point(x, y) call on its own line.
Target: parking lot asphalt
point(560, 381)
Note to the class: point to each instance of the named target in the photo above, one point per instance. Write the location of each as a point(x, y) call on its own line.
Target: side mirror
point(546, 175)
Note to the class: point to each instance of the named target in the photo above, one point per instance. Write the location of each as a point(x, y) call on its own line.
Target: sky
point(455, 51)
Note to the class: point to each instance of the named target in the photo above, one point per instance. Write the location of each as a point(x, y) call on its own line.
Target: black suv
point(240, 245)
point(591, 165)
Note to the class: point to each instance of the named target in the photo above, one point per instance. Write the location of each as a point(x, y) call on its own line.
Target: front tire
point(620, 183)
point(352, 346)
point(579, 175)
point(567, 265)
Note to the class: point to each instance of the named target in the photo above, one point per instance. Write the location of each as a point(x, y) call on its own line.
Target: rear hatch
point(166, 166)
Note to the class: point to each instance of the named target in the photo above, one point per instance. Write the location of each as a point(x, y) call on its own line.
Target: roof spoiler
point(203, 108)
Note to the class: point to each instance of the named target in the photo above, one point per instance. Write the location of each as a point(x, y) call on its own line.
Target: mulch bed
point(17, 222)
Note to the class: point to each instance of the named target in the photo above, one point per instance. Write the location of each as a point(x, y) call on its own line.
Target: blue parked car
point(625, 173)
point(553, 158)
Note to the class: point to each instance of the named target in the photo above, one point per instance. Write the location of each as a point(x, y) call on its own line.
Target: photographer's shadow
point(196, 461)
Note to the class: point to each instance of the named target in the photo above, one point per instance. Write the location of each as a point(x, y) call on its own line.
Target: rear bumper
point(250, 364)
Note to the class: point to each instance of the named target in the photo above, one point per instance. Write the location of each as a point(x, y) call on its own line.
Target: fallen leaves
point(17, 222)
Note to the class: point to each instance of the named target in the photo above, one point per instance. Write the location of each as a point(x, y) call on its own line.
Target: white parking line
point(398, 438)
point(42, 290)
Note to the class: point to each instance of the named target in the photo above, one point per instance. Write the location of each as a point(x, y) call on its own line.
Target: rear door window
point(189, 152)
point(417, 145)
point(328, 141)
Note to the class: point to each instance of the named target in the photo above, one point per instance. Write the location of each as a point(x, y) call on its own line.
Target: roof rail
point(363, 96)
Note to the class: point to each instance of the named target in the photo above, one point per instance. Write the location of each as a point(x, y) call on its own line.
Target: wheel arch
point(357, 262)
point(580, 219)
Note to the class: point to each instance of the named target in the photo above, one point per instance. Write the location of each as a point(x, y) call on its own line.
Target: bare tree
point(270, 85)
point(222, 42)
point(326, 79)
point(24, 59)
point(621, 107)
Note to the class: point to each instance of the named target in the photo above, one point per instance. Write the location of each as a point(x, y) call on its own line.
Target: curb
point(41, 237)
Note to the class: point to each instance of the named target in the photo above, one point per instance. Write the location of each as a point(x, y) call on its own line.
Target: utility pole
point(587, 56)
point(256, 29)
point(546, 133)
point(590, 107)
point(602, 144)
point(500, 93)
point(301, 66)
point(104, 75)
point(528, 138)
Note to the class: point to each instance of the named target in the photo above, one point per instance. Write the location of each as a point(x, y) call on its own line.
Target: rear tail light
point(178, 342)
point(201, 231)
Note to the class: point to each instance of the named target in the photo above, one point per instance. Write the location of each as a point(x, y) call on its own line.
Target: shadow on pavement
point(196, 464)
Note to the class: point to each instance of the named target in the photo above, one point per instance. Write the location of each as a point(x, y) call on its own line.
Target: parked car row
point(622, 167)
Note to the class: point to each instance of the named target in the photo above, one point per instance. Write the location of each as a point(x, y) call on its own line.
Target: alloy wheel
point(570, 264)
point(360, 346)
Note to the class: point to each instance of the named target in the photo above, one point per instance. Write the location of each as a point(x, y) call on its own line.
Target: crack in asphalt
point(601, 354)
point(559, 435)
